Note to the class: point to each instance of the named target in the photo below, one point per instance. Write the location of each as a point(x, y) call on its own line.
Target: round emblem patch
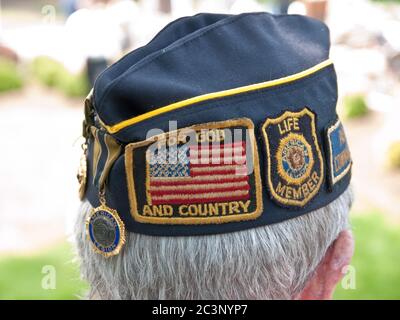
point(294, 158)
point(106, 231)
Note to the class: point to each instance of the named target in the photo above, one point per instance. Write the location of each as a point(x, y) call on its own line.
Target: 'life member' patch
point(207, 173)
point(106, 231)
point(294, 161)
point(339, 153)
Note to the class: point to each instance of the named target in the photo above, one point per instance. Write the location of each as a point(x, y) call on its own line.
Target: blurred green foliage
point(387, 1)
point(376, 263)
point(21, 276)
point(10, 77)
point(53, 74)
point(376, 259)
point(393, 157)
point(354, 106)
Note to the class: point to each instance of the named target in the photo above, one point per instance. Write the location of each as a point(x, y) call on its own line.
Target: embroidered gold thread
point(269, 121)
point(148, 195)
point(129, 168)
point(281, 171)
point(129, 156)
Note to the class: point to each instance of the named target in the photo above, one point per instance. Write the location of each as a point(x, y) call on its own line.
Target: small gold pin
point(82, 173)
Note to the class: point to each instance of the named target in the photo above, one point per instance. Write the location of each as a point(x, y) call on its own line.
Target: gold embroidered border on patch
point(129, 161)
point(331, 164)
point(267, 147)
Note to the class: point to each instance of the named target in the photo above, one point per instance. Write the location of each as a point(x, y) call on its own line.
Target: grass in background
point(376, 262)
point(53, 74)
point(387, 1)
point(10, 77)
point(354, 106)
point(21, 277)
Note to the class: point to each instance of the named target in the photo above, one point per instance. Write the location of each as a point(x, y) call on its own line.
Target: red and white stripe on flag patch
point(198, 182)
point(215, 172)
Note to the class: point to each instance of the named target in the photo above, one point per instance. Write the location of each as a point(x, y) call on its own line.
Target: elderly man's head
point(298, 258)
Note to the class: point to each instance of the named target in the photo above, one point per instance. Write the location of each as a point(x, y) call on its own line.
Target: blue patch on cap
point(339, 154)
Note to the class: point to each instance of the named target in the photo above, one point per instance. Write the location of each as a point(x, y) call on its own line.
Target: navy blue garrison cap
point(221, 123)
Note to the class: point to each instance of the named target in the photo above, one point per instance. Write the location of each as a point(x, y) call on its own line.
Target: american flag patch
point(212, 179)
point(203, 173)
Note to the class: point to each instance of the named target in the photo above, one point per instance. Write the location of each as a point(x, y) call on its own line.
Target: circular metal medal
point(106, 231)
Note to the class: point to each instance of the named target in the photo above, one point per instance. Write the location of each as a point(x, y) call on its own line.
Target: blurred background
point(50, 53)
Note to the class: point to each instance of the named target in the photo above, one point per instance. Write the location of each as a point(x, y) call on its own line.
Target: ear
point(331, 269)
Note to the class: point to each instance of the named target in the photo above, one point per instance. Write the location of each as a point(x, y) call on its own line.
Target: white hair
point(268, 262)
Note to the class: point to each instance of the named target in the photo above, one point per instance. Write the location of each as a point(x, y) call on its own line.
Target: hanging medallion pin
point(105, 229)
